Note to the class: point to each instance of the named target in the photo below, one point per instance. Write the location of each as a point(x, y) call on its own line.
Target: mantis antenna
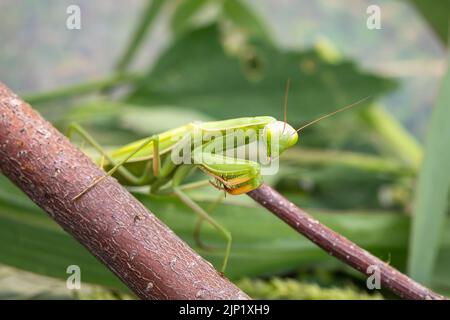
point(332, 113)
point(286, 94)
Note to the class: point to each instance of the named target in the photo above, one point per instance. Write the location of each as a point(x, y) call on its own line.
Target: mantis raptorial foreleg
point(233, 174)
point(118, 166)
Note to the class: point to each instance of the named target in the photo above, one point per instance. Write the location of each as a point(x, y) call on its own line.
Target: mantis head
point(281, 135)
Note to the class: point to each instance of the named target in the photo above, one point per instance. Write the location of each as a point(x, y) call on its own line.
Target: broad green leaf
point(158, 118)
point(437, 15)
point(196, 72)
point(433, 186)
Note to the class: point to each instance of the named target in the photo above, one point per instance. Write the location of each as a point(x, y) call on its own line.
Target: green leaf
point(196, 72)
point(437, 15)
point(158, 118)
point(184, 12)
point(431, 201)
point(244, 17)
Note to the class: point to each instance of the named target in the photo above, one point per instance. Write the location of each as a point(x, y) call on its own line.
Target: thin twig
point(340, 247)
point(108, 220)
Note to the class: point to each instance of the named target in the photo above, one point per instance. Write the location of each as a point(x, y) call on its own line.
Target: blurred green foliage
point(201, 71)
point(433, 190)
point(356, 172)
point(437, 16)
point(277, 288)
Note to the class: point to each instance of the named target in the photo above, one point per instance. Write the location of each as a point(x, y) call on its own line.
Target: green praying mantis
point(230, 152)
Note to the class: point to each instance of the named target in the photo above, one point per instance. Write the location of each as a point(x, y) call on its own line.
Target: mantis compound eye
point(280, 135)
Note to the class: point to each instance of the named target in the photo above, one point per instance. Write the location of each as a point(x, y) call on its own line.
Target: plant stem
point(117, 229)
point(394, 136)
point(340, 247)
point(142, 29)
point(80, 89)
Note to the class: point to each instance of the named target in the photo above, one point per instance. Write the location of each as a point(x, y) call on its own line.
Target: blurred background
point(377, 174)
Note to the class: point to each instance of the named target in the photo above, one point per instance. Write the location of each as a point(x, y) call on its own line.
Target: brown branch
point(340, 247)
point(107, 220)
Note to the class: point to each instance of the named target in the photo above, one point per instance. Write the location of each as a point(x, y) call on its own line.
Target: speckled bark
point(107, 220)
point(340, 247)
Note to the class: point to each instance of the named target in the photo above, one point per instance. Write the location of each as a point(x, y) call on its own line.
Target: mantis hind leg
point(117, 166)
